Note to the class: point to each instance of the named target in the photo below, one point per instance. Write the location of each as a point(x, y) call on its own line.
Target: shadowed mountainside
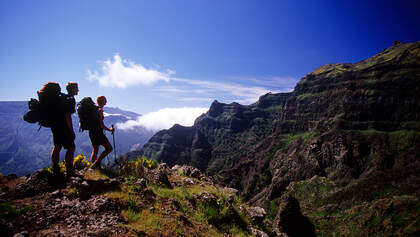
point(346, 139)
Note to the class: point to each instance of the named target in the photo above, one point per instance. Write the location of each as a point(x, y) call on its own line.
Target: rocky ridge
point(143, 201)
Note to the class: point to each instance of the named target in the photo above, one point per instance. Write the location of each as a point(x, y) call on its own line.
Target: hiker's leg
point(69, 159)
point(95, 149)
point(55, 158)
point(108, 149)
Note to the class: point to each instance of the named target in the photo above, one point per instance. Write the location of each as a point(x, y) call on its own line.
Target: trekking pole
point(113, 139)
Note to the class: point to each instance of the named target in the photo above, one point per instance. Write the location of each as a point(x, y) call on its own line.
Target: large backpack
point(47, 109)
point(88, 114)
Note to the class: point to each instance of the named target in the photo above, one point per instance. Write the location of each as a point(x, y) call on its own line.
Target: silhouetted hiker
point(63, 133)
point(97, 136)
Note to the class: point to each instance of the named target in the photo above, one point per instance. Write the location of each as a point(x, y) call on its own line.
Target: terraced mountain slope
point(345, 143)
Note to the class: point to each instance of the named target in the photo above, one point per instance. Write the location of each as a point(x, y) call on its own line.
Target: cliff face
point(187, 143)
point(355, 125)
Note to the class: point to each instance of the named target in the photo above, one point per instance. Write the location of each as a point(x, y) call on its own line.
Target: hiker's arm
point(101, 122)
point(70, 124)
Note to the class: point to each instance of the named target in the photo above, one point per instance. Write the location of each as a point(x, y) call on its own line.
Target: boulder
point(257, 214)
point(208, 198)
point(164, 167)
point(188, 171)
point(39, 182)
point(159, 177)
point(187, 181)
point(258, 233)
point(142, 183)
point(90, 187)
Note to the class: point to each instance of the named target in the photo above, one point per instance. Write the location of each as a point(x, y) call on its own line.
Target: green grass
point(211, 213)
point(287, 139)
point(169, 218)
point(7, 210)
point(310, 95)
point(271, 208)
point(273, 108)
point(130, 179)
point(219, 214)
point(303, 96)
point(313, 193)
point(371, 219)
point(399, 141)
point(137, 188)
point(131, 215)
point(132, 203)
point(178, 193)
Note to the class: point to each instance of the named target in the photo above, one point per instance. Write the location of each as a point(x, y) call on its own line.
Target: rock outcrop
point(156, 202)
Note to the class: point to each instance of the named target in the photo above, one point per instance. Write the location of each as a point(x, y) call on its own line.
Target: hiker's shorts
point(97, 137)
point(62, 137)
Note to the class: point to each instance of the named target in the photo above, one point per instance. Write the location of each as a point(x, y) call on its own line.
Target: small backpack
point(47, 109)
point(88, 114)
point(32, 116)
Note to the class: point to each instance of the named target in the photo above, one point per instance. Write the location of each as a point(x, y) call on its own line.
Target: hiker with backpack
point(62, 130)
point(53, 110)
point(97, 136)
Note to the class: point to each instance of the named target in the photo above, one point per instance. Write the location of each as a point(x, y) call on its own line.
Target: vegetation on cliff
point(354, 125)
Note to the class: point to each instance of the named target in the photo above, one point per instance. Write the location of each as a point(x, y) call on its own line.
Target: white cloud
point(122, 73)
point(196, 99)
point(165, 118)
point(119, 115)
point(171, 90)
point(244, 94)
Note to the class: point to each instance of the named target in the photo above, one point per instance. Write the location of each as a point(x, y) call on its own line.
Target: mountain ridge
point(355, 125)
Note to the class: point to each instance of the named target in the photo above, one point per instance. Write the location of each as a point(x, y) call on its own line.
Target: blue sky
point(146, 56)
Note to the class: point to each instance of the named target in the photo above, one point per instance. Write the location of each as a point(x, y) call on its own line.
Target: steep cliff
point(354, 125)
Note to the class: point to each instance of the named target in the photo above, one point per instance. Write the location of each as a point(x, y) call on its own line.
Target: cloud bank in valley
point(165, 118)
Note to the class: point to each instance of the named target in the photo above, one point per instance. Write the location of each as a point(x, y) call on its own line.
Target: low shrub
point(79, 162)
